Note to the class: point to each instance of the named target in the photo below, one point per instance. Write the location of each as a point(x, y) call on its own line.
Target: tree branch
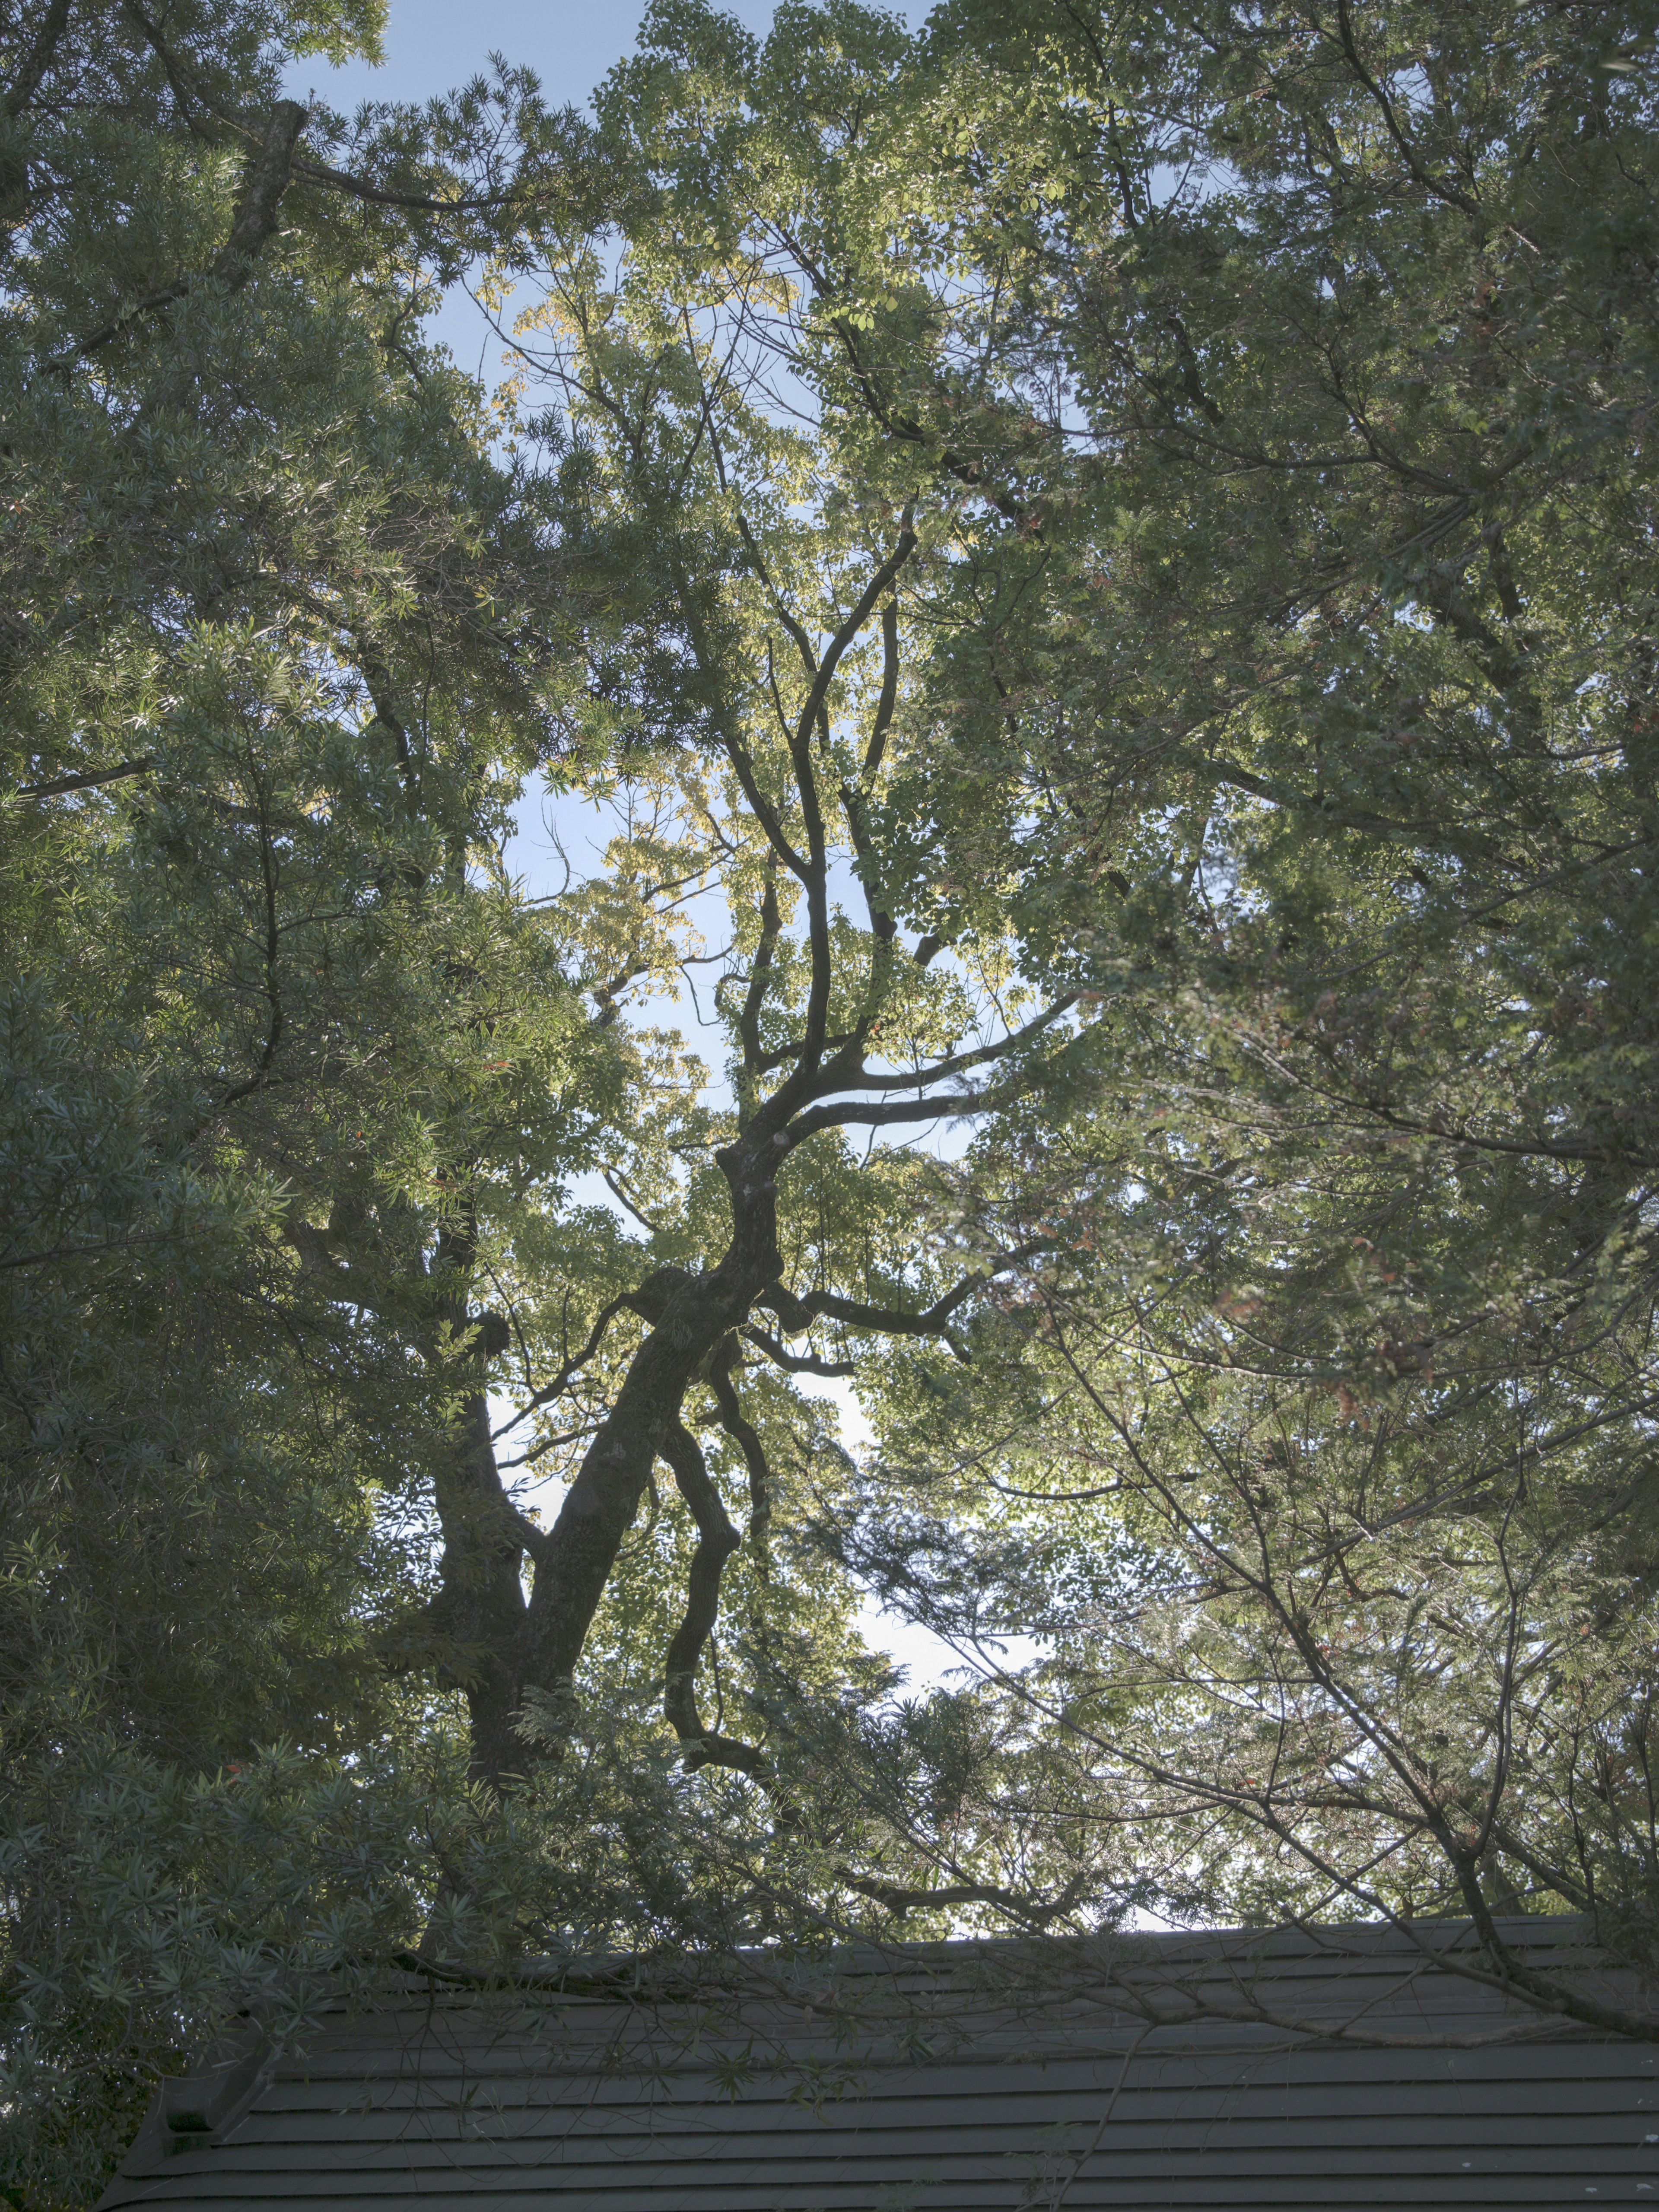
point(763, 808)
point(879, 583)
point(561, 1381)
point(941, 1071)
point(759, 976)
point(716, 1542)
point(795, 1362)
point(1448, 193)
point(341, 180)
point(38, 59)
point(736, 1424)
point(895, 1112)
point(87, 1251)
point(814, 711)
point(803, 643)
point(899, 1900)
point(263, 183)
point(93, 779)
point(799, 1314)
point(878, 745)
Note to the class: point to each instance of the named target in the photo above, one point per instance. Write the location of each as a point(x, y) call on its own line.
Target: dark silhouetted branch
point(738, 1426)
point(796, 1363)
point(92, 780)
point(716, 1542)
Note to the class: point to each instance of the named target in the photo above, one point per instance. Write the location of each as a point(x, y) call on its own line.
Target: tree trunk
point(574, 1560)
point(480, 1611)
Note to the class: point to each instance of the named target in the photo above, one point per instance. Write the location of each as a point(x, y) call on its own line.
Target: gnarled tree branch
point(736, 1425)
point(716, 1542)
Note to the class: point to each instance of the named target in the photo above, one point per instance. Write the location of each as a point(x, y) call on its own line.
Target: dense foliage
point(1286, 379)
point(1097, 566)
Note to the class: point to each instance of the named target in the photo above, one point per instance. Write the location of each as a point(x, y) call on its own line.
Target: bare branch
point(561, 1381)
point(893, 1113)
point(619, 1189)
point(716, 1542)
point(942, 1071)
point(759, 974)
point(736, 1425)
point(92, 780)
point(799, 1314)
point(803, 643)
point(879, 583)
point(764, 812)
point(539, 1450)
point(795, 1362)
point(884, 704)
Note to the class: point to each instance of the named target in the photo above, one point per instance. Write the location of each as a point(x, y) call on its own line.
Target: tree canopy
point(1096, 564)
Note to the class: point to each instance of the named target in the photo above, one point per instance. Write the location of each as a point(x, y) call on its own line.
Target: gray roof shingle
point(940, 2077)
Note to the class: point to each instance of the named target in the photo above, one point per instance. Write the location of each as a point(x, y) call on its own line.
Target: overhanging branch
point(91, 779)
point(796, 1363)
point(959, 1063)
point(799, 1314)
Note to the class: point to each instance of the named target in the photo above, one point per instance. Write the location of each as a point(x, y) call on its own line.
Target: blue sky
point(433, 44)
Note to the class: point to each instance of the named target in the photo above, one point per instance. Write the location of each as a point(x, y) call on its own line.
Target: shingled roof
point(1342, 2067)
